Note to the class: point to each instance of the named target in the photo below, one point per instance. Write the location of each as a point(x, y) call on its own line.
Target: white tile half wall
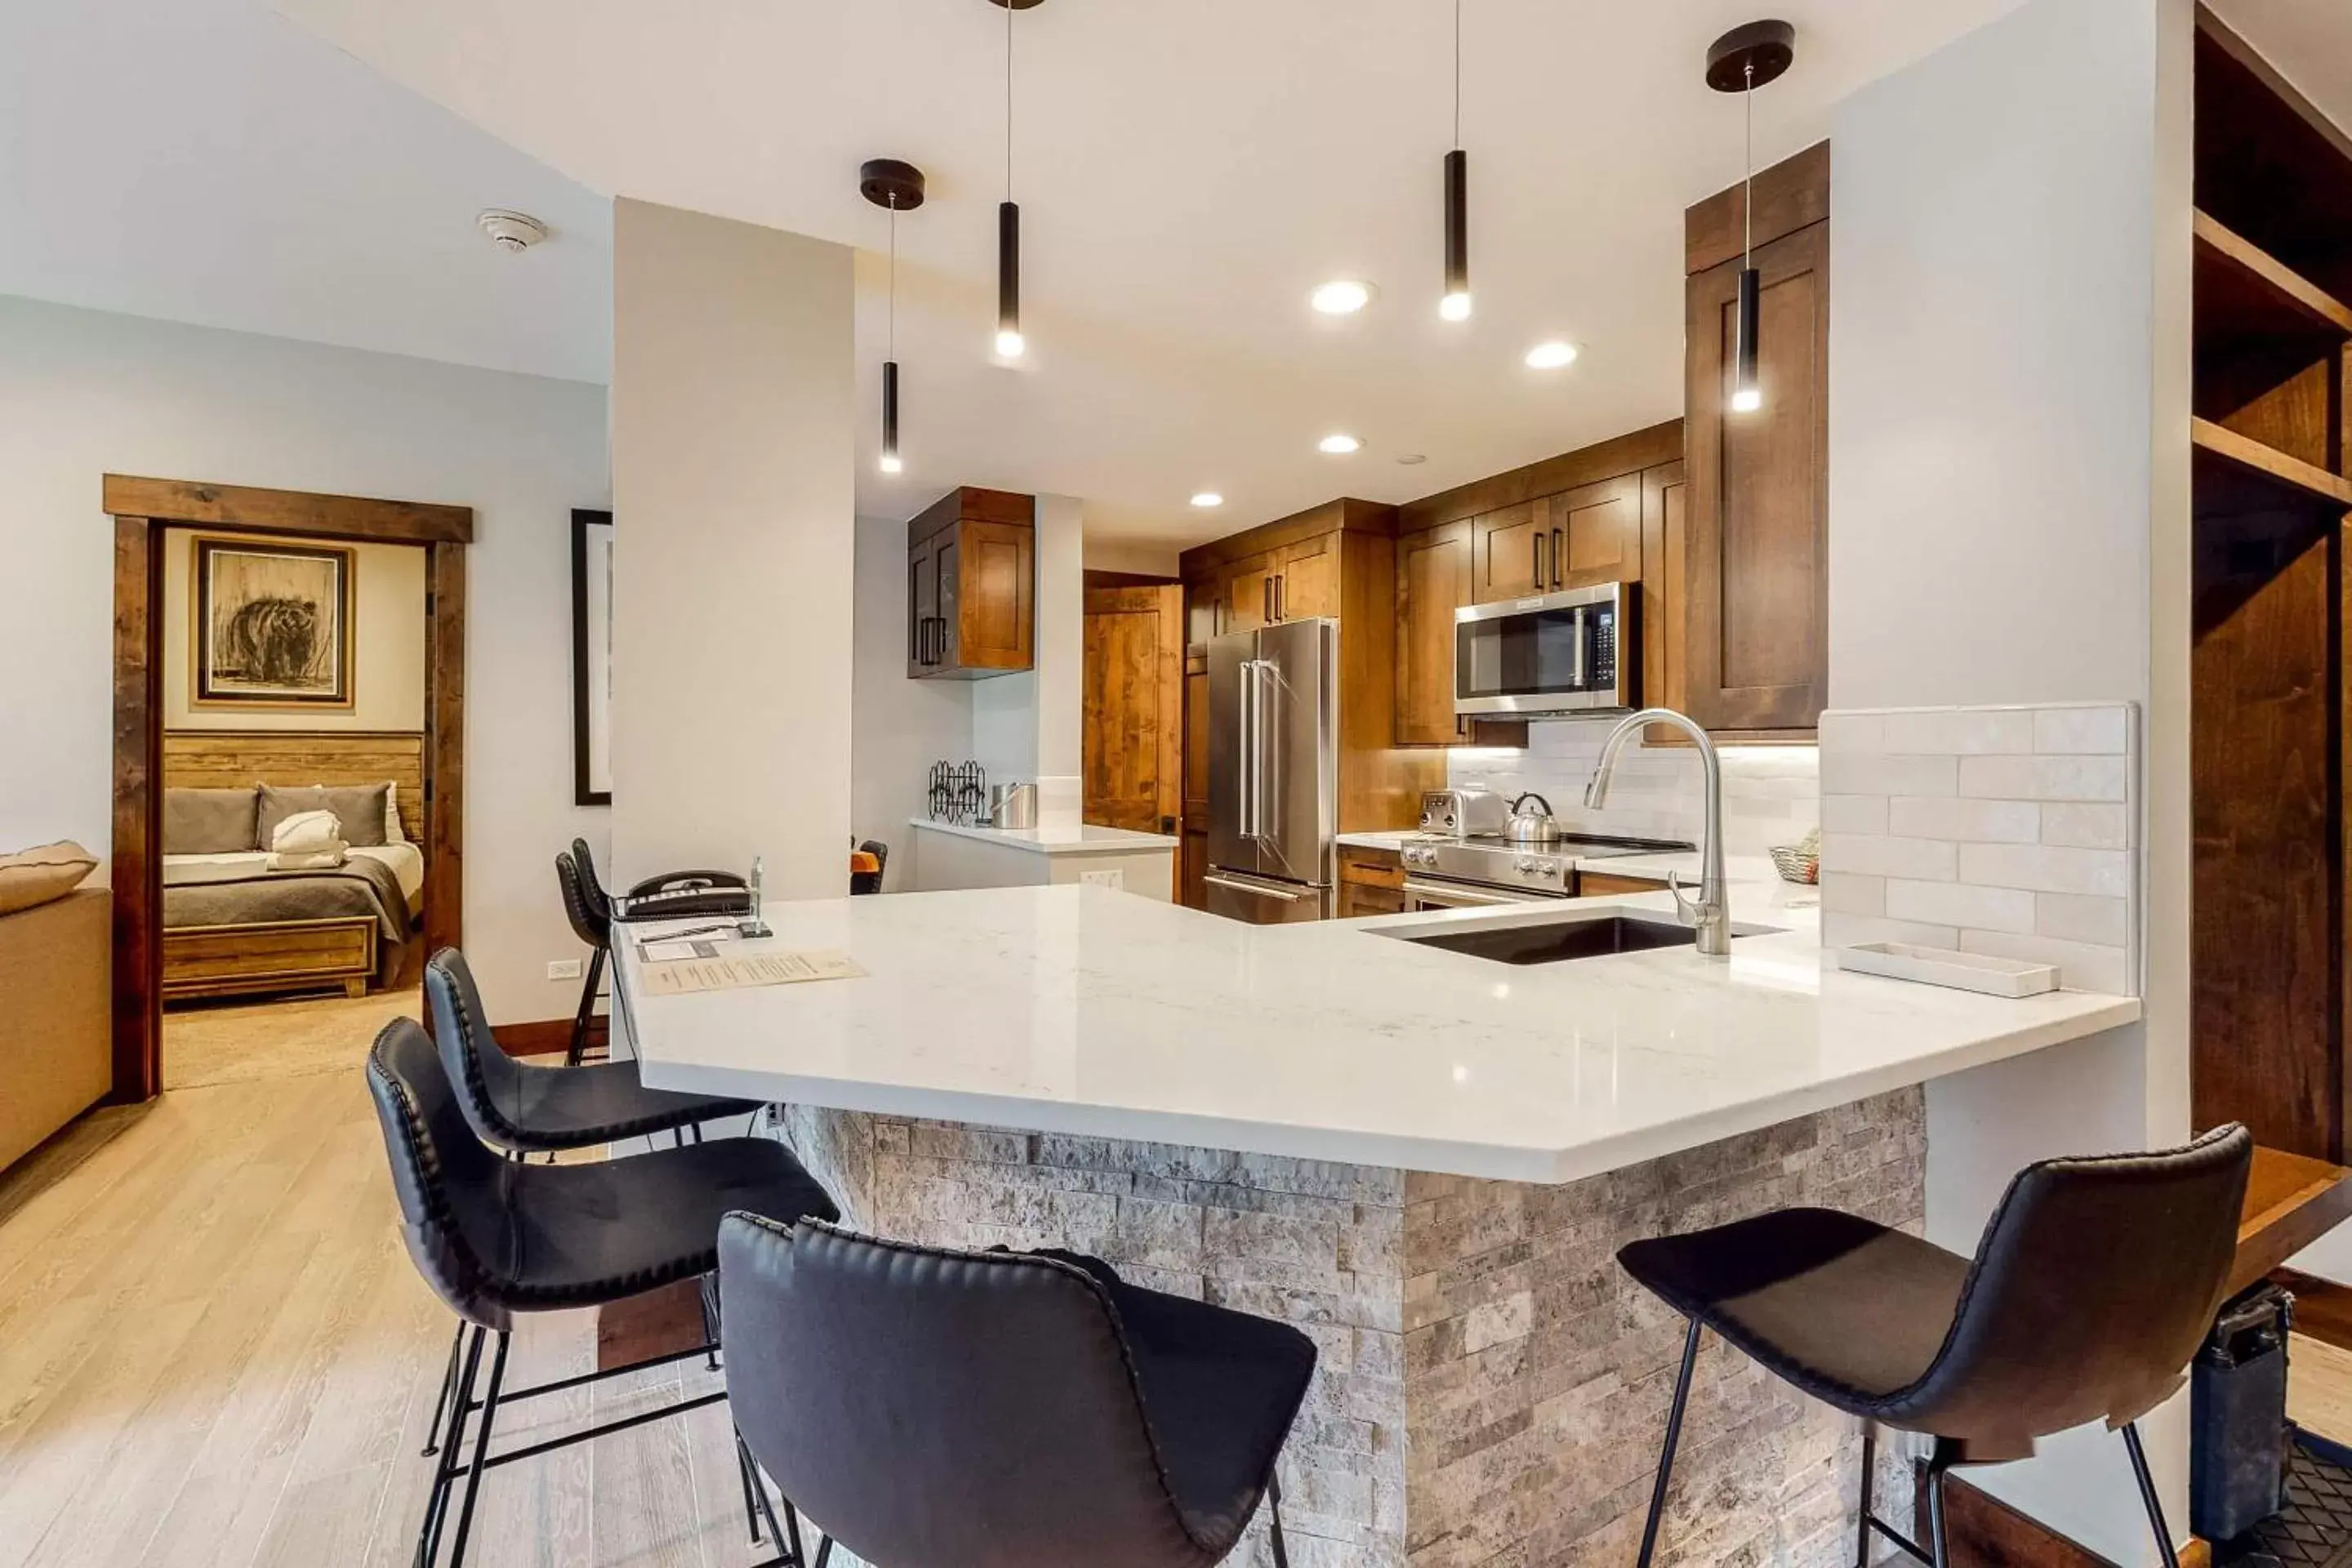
point(2010, 831)
point(1771, 795)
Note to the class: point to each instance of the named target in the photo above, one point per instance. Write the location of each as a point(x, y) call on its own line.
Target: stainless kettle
point(1531, 826)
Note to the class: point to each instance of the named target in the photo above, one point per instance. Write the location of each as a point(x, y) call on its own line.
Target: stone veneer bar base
point(1492, 1388)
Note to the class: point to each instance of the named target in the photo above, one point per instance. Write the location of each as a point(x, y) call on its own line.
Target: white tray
point(1944, 967)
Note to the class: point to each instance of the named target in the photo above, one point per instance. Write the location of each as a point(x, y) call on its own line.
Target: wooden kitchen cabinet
point(1371, 882)
point(1433, 580)
point(1756, 577)
point(1247, 595)
point(1508, 546)
point(1306, 578)
point(972, 585)
point(1596, 533)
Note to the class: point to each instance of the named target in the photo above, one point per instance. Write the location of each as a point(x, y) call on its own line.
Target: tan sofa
point(57, 1053)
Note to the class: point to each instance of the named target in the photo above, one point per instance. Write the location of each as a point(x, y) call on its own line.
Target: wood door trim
point(143, 512)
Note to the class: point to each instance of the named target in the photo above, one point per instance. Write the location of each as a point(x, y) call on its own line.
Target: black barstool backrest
point(2095, 1282)
point(484, 1076)
point(451, 1188)
point(592, 885)
point(591, 917)
point(938, 1409)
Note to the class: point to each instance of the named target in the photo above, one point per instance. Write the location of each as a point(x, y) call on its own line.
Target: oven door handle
point(1470, 897)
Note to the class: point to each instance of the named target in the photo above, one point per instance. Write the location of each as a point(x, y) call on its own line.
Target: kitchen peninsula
point(1424, 1159)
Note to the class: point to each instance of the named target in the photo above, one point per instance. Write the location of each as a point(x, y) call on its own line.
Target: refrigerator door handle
point(1258, 889)
point(1264, 672)
point(1248, 790)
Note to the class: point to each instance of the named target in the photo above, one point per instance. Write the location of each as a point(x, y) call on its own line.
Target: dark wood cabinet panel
point(1433, 581)
point(1192, 870)
point(1596, 534)
point(1508, 546)
point(1306, 581)
point(1248, 594)
point(972, 585)
point(1665, 534)
point(1756, 579)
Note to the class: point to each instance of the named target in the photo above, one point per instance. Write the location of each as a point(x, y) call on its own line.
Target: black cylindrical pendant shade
point(891, 415)
point(1745, 392)
point(1009, 342)
point(1457, 235)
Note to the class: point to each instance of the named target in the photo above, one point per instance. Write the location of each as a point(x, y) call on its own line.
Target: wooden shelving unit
point(2270, 493)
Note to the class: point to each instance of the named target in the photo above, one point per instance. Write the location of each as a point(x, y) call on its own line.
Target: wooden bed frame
point(285, 955)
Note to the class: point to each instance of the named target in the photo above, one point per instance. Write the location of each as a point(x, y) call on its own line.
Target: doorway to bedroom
point(289, 687)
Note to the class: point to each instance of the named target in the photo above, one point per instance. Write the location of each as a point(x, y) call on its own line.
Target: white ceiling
point(1186, 172)
point(207, 161)
point(2309, 42)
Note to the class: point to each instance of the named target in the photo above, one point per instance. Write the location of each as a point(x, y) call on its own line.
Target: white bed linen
point(407, 860)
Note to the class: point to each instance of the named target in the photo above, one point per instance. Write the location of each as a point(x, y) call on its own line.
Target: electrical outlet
point(563, 969)
point(1113, 877)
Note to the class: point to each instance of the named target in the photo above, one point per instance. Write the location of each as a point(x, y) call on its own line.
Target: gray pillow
point(209, 821)
point(358, 806)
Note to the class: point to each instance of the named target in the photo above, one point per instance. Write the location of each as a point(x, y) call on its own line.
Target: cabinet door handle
point(1535, 569)
point(1281, 598)
point(1558, 575)
point(1265, 599)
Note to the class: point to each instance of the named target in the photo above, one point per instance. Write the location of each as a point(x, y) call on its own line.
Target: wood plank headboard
point(216, 759)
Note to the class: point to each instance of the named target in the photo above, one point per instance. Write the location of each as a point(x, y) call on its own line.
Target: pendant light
point(1455, 304)
point(1010, 343)
point(1740, 61)
point(888, 183)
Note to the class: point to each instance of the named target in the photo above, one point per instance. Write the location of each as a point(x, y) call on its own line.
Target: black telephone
point(688, 895)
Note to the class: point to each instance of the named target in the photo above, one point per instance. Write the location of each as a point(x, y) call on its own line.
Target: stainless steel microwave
point(1569, 652)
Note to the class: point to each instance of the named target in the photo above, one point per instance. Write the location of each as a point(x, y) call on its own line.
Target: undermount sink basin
point(1556, 942)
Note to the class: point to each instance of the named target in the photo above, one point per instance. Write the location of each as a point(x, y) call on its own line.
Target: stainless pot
point(1531, 827)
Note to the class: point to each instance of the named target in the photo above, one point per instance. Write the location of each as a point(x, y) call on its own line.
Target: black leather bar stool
point(496, 1239)
point(2094, 1283)
point(591, 914)
point(938, 1409)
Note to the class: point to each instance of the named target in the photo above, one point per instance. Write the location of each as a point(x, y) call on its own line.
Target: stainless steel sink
point(1556, 942)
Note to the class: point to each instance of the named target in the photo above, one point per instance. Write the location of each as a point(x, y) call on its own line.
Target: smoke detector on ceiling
point(511, 230)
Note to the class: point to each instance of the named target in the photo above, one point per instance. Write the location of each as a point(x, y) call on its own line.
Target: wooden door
point(1432, 580)
point(1132, 759)
point(1757, 575)
point(1596, 533)
point(1308, 580)
point(1508, 546)
point(1249, 593)
point(993, 602)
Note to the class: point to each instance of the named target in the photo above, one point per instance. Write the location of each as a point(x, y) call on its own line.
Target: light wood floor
point(214, 1350)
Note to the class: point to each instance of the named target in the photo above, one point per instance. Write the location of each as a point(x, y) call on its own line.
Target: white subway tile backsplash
point(2009, 831)
point(2083, 731)
point(2047, 869)
point(1853, 813)
point(2044, 778)
point(1963, 820)
point(1771, 795)
point(1869, 773)
point(1960, 731)
point(2086, 825)
point(1959, 904)
point(1879, 855)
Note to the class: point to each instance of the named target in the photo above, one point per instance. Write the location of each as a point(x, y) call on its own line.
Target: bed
point(232, 925)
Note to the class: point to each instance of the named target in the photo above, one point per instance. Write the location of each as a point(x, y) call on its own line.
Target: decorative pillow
point(210, 821)
point(39, 875)
point(307, 833)
point(394, 833)
point(359, 807)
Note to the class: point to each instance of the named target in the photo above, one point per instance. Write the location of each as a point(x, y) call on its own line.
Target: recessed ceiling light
point(1338, 446)
point(1208, 498)
point(1412, 459)
point(1551, 356)
point(1342, 296)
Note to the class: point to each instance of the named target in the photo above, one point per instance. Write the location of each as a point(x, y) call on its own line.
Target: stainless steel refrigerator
point(1273, 775)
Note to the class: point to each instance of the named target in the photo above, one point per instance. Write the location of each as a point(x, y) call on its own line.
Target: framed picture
point(272, 626)
point(591, 658)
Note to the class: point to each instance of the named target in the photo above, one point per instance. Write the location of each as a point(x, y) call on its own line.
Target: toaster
point(1473, 812)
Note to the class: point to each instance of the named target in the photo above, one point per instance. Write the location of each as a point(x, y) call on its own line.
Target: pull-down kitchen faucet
point(1712, 912)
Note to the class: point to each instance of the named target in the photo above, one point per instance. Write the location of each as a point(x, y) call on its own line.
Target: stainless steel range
point(1447, 873)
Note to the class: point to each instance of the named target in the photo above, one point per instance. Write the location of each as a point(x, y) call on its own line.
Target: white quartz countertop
point(1073, 838)
point(1090, 1011)
point(1737, 868)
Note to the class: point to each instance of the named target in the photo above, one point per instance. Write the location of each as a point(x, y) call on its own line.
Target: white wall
point(2008, 499)
point(1027, 728)
point(733, 448)
point(387, 653)
point(83, 393)
point(900, 727)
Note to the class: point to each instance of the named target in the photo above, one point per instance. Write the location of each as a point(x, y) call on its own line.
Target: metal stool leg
point(2148, 1495)
point(1666, 1457)
point(481, 1453)
point(1938, 1464)
point(586, 1010)
point(1273, 1500)
point(444, 1469)
point(448, 1386)
point(1869, 1475)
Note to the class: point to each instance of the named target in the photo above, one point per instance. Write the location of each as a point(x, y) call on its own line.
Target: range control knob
point(1548, 868)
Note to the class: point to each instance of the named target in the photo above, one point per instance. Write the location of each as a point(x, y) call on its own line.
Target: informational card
point(736, 972)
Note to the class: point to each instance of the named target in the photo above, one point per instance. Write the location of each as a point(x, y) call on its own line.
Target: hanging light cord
point(1008, 102)
point(1457, 72)
point(1747, 199)
point(894, 276)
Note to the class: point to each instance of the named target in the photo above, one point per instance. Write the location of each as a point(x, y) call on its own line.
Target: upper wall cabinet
point(972, 585)
point(1756, 570)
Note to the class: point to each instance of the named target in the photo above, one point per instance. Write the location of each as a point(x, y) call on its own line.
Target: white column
point(733, 492)
point(1029, 727)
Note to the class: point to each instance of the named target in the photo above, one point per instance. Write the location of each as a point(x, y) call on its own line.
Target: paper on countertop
point(676, 977)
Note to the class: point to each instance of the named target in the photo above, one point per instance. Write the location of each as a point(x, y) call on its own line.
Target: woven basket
point(1796, 863)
